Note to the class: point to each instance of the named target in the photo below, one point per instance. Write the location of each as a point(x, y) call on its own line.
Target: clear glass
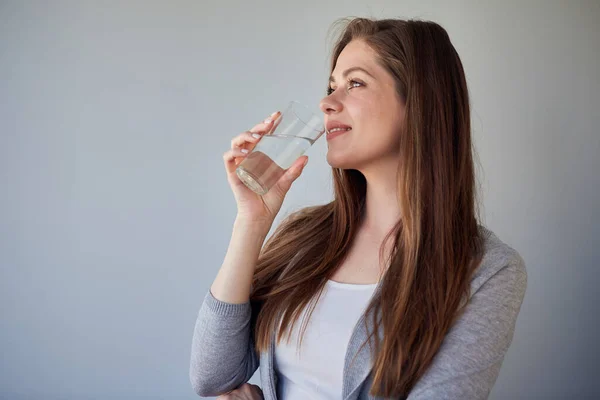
point(296, 129)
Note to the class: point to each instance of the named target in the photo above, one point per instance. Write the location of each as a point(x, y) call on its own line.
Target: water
point(269, 160)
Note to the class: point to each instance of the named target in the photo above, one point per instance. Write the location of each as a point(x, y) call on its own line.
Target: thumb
point(293, 172)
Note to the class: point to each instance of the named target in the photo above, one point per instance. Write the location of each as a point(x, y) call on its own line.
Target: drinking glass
point(292, 133)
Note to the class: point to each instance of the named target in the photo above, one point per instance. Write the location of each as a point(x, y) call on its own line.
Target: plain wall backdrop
point(116, 213)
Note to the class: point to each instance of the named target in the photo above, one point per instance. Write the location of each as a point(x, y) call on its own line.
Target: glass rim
point(305, 107)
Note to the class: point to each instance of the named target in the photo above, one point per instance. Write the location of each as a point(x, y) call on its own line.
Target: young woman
point(400, 292)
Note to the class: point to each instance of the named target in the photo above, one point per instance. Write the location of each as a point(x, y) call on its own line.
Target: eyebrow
point(346, 72)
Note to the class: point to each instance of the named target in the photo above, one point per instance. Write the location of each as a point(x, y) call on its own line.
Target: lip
point(335, 134)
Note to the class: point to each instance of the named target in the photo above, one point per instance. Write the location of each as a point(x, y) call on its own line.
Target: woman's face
point(367, 102)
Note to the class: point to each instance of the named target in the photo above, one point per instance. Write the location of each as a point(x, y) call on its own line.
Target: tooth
point(339, 129)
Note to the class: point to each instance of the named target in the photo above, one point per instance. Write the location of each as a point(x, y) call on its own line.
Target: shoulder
point(501, 265)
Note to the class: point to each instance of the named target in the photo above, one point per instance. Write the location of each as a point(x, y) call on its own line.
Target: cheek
point(376, 134)
point(380, 139)
point(380, 143)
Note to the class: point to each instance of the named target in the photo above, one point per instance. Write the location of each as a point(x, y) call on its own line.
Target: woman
point(410, 297)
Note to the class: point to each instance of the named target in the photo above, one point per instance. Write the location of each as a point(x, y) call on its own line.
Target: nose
point(330, 105)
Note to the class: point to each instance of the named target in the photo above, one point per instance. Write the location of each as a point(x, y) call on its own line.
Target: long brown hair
point(437, 242)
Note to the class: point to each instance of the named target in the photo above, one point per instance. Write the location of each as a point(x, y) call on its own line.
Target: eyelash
point(329, 90)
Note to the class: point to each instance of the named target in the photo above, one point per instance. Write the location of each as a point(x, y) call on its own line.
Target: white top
point(317, 371)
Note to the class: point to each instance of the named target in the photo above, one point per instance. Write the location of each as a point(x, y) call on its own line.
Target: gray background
point(116, 214)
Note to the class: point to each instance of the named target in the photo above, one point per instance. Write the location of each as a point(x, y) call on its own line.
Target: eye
point(350, 81)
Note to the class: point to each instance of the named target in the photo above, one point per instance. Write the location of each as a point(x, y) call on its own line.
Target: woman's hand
point(247, 391)
point(252, 206)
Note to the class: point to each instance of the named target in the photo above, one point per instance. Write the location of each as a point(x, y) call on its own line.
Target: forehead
point(357, 53)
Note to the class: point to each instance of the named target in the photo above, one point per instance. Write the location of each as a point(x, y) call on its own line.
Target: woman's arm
point(223, 356)
point(469, 360)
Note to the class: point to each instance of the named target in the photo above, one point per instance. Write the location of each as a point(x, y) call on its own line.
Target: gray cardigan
point(465, 367)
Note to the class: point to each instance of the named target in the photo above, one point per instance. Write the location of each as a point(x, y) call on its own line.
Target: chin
point(343, 160)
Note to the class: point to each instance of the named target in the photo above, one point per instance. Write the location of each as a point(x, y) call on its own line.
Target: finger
point(246, 141)
point(276, 120)
point(267, 125)
point(285, 182)
point(296, 169)
point(232, 158)
point(247, 137)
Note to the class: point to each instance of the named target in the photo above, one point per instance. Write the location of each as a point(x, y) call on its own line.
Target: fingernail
point(256, 135)
point(270, 119)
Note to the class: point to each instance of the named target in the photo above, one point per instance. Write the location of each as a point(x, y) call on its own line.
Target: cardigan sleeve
point(222, 355)
point(468, 362)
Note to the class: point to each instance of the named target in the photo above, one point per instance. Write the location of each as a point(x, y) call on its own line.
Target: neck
point(382, 210)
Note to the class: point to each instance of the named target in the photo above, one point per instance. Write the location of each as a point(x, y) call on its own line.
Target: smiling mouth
point(336, 130)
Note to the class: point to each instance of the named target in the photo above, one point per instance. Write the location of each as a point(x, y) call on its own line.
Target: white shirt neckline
point(351, 286)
